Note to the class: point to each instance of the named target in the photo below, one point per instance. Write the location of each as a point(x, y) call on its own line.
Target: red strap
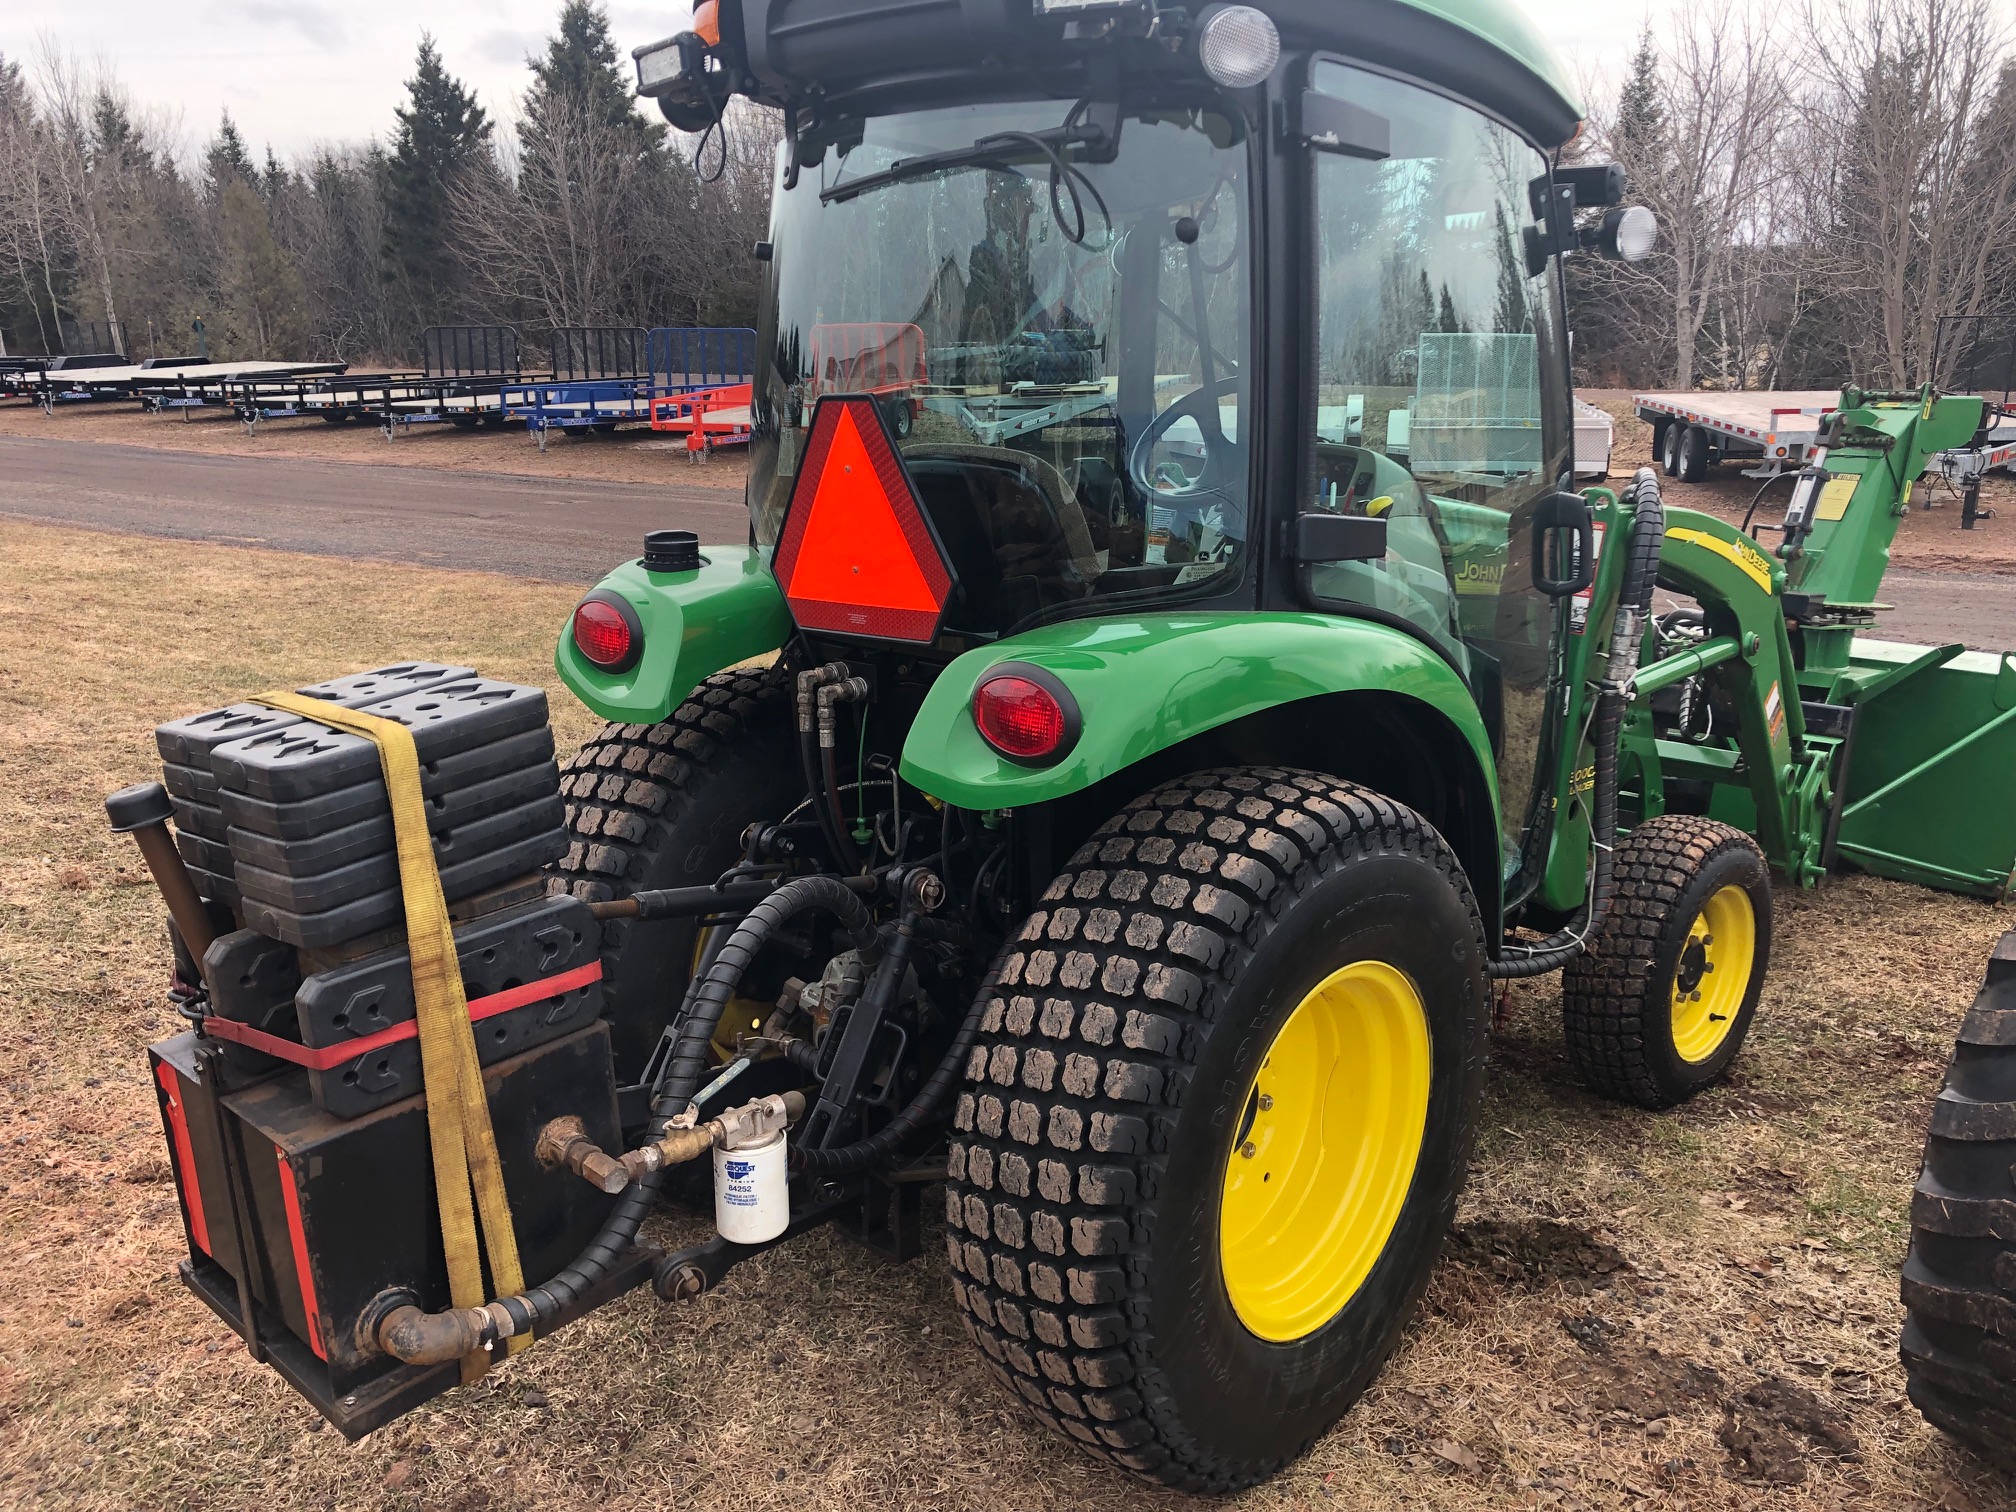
point(329, 1057)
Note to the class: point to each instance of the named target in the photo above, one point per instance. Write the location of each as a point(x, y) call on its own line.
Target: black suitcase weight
point(491, 777)
point(309, 760)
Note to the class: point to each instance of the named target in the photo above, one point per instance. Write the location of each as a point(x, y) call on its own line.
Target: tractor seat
point(1017, 539)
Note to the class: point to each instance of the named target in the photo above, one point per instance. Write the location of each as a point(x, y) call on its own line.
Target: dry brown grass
point(1756, 1233)
point(632, 455)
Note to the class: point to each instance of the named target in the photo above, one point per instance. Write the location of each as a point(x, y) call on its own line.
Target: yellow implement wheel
point(1713, 973)
point(1658, 1006)
point(1331, 1133)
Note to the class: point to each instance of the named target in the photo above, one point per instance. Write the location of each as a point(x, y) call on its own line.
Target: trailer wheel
point(665, 805)
point(1669, 448)
point(1959, 1345)
point(1218, 1119)
point(1697, 454)
point(1660, 1003)
point(1659, 430)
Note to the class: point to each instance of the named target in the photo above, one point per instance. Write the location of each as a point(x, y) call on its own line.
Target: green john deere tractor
point(1168, 680)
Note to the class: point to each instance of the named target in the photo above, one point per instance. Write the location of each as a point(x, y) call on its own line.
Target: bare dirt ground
point(563, 529)
point(631, 455)
point(489, 500)
point(1687, 1311)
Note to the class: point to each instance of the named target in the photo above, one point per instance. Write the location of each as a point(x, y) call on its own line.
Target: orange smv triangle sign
point(854, 564)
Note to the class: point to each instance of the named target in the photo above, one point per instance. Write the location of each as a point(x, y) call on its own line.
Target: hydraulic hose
point(1634, 605)
point(541, 1306)
point(825, 807)
point(846, 1160)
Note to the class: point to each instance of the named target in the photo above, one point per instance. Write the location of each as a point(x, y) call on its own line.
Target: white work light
point(1079, 7)
point(1629, 232)
point(661, 63)
point(1238, 45)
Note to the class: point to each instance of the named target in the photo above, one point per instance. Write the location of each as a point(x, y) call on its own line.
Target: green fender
point(1144, 682)
point(695, 623)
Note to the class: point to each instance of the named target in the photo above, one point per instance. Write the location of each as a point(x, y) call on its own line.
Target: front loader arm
point(1747, 657)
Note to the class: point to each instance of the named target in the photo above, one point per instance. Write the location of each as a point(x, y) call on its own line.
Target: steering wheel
point(1222, 456)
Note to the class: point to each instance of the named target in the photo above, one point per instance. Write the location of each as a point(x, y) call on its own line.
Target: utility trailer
point(71, 380)
point(603, 378)
point(184, 387)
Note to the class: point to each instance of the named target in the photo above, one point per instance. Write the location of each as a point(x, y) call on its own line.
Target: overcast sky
point(301, 73)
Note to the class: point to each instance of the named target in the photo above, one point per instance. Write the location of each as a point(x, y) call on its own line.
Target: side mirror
point(1564, 537)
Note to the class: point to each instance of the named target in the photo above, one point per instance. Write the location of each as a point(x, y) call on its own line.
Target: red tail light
point(608, 632)
point(1026, 714)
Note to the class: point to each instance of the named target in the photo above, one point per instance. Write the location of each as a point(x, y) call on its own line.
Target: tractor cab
point(1229, 309)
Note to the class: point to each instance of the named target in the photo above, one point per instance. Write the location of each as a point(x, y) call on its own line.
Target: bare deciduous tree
point(1922, 187)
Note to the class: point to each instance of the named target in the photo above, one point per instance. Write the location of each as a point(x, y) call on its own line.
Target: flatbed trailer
point(204, 385)
point(1776, 428)
point(1780, 430)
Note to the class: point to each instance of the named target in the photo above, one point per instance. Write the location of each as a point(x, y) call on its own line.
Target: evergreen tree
point(1426, 317)
point(273, 181)
point(583, 68)
point(1446, 320)
point(1641, 113)
point(262, 302)
point(227, 159)
point(13, 90)
point(442, 131)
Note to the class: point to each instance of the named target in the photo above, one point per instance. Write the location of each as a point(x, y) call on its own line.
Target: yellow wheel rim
point(1713, 974)
point(1325, 1151)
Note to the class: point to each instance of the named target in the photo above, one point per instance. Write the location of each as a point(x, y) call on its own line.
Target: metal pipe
point(537, 1307)
point(143, 811)
point(1682, 665)
point(685, 902)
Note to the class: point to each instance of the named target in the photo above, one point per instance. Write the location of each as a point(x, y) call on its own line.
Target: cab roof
point(1485, 51)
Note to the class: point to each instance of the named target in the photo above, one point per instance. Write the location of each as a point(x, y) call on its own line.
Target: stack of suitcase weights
point(286, 826)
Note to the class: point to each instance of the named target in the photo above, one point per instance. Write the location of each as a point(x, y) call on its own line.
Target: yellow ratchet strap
point(458, 1113)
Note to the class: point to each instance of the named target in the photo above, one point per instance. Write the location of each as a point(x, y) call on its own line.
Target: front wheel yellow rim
point(1325, 1151)
point(1712, 976)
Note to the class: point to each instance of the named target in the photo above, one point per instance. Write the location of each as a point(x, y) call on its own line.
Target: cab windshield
point(1055, 322)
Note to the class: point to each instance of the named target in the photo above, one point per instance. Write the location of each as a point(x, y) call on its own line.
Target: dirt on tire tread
point(1105, 1000)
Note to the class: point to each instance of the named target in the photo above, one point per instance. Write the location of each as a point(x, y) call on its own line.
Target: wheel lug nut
point(1266, 1103)
point(1249, 1149)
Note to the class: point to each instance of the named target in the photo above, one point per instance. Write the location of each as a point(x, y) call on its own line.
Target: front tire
point(1229, 974)
point(1659, 1005)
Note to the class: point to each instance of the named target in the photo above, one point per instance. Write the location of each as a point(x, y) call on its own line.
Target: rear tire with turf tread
point(1959, 1283)
point(1090, 1146)
point(665, 805)
point(1617, 996)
